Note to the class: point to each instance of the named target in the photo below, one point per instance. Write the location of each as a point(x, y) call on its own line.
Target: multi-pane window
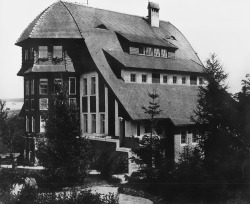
point(102, 123)
point(72, 85)
point(142, 50)
point(165, 79)
point(27, 124)
point(85, 86)
point(194, 137)
point(32, 104)
point(200, 81)
point(42, 124)
point(27, 104)
point(85, 123)
point(133, 77)
point(193, 80)
point(57, 51)
point(57, 84)
point(43, 104)
point(93, 85)
point(164, 53)
point(157, 52)
point(144, 78)
point(72, 101)
point(31, 53)
point(183, 79)
point(33, 124)
point(156, 78)
point(43, 86)
point(26, 54)
point(149, 51)
point(183, 137)
point(174, 79)
point(43, 51)
point(93, 119)
point(27, 87)
point(32, 86)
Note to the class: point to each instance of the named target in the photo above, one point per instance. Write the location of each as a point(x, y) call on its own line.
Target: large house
point(110, 62)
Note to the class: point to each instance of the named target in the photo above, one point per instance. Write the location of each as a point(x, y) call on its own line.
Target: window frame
point(27, 87)
point(193, 82)
point(32, 86)
point(85, 123)
point(132, 76)
point(32, 104)
point(149, 51)
point(166, 53)
point(41, 53)
point(46, 104)
point(156, 80)
point(183, 80)
point(85, 86)
point(56, 83)
point(27, 105)
point(174, 79)
point(165, 79)
point(93, 123)
point(102, 123)
point(144, 78)
point(72, 93)
point(33, 124)
point(181, 139)
point(55, 50)
point(143, 49)
point(26, 54)
point(42, 124)
point(93, 85)
point(43, 88)
point(201, 81)
point(159, 52)
point(27, 125)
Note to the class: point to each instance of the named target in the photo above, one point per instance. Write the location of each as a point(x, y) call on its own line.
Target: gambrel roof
point(99, 30)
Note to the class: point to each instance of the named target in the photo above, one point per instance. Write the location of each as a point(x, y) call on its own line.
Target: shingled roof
point(70, 20)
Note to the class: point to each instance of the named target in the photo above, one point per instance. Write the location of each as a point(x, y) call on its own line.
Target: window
point(72, 85)
point(193, 80)
point(93, 123)
point(157, 52)
point(33, 124)
point(57, 51)
point(27, 124)
point(85, 86)
point(183, 79)
point(174, 79)
point(27, 87)
point(200, 81)
point(93, 86)
point(142, 50)
point(32, 104)
point(102, 123)
point(43, 86)
point(57, 85)
point(165, 79)
point(183, 137)
point(31, 53)
point(43, 51)
point(85, 123)
point(155, 78)
point(144, 78)
point(26, 54)
point(43, 104)
point(133, 77)
point(194, 137)
point(164, 53)
point(72, 101)
point(42, 124)
point(27, 105)
point(149, 51)
point(32, 86)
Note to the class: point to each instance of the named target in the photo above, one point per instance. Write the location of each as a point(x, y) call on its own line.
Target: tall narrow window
point(183, 137)
point(102, 123)
point(85, 123)
point(183, 79)
point(57, 85)
point(43, 103)
point(72, 85)
point(144, 78)
point(32, 86)
point(43, 86)
point(42, 124)
point(27, 87)
point(164, 53)
point(93, 123)
point(57, 51)
point(200, 81)
point(157, 52)
point(193, 80)
point(142, 50)
point(27, 104)
point(31, 53)
point(26, 54)
point(85, 86)
point(174, 79)
point(133, 77)
point(93, 85)
point(165, 79)
point(32, 104)
point(156, 78)
point(27, 124)
point(33, 124)
point(43, 51)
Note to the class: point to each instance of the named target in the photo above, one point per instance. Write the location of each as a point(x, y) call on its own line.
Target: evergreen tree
point(62, 150)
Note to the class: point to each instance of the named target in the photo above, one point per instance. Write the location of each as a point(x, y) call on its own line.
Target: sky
point(211, 26)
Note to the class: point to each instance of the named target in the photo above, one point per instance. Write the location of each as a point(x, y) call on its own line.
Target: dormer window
point(164, 53)
point(157, 52)
point(57, 51)
point(43, 52)
point(133, 77)
point(149, 51)
point(142, 50)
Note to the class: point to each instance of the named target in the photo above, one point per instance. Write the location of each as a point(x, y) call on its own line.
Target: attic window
point(101, 26)
point(172, 37)
point(142, 50)
point(157, 52)
point(149, 51)
point(43, 52)
point(57, 51)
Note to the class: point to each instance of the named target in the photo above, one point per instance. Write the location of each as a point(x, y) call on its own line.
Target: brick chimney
point(153, 14)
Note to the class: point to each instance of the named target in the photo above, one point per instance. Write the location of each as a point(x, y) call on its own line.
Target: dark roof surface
point(46, 68)
point(147, 62)
point(71, 20)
